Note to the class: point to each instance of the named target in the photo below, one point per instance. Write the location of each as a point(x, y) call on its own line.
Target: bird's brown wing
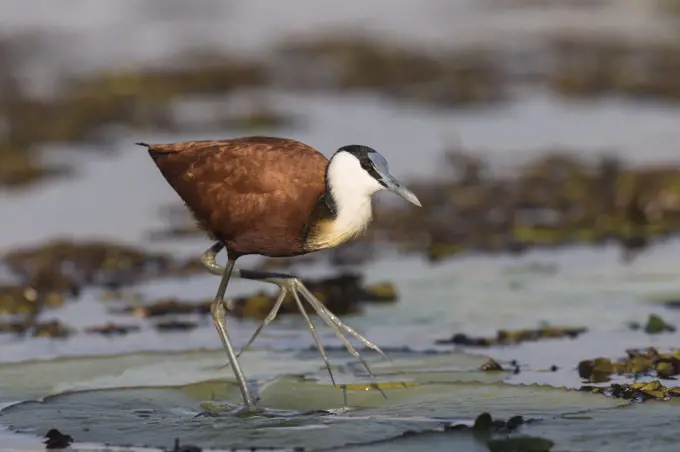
point(255, 194)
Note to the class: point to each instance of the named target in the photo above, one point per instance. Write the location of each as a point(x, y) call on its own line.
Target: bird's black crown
point(357, 150)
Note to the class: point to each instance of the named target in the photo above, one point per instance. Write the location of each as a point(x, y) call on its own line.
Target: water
point(147, 388)
point(131, 31)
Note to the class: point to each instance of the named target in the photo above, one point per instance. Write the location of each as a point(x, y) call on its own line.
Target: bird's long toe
point(309, 296)
point(336, 324)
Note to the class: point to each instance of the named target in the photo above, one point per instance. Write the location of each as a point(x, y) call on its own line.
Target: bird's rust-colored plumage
point(256, 195)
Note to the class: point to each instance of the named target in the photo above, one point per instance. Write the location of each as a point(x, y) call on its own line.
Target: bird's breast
point(346, 225)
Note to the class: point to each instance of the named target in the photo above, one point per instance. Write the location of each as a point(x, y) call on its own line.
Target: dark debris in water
point(184, 448)
point(175, 325)
point(57, 440)
point(112, 329)
point(647, 362)
point(485, 422)
point(170, 306)
point(496, 434)
point(507, 337)
point(485, 426)
point(491, 366)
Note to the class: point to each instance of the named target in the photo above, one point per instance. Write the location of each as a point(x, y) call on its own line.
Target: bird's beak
point(395, 186)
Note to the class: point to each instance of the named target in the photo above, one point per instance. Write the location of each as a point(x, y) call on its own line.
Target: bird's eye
point(366, 165)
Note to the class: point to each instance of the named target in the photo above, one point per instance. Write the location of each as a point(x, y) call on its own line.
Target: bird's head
point(361, 171)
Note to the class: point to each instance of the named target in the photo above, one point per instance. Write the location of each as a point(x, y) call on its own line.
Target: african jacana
point(275, 197)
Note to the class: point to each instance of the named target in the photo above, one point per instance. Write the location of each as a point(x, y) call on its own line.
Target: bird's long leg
point(218, 312)
point(267, 320)
point(292, 284)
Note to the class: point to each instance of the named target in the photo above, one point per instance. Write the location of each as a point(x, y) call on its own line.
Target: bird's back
point(255, 194)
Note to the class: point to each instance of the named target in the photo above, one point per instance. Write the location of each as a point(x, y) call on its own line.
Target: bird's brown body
point(256, 195)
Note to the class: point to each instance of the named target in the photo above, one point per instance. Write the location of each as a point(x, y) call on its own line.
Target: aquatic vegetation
point(51, 329)
point(638, 362)
point(18, 299)
point(356, 63)
point(75, 264)
point(19, 168)
point(343, 293)
point(639, 392)
point(656, 325)
point(587, 67)
point(505, 337)
point(555, 200)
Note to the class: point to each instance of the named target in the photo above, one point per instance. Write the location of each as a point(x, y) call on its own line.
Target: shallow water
point(147, 388)
point(148, 399)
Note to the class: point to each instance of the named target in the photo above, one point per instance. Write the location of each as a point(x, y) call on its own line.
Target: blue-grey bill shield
point(390, 182)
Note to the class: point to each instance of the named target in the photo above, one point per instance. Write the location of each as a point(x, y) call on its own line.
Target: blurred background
point(524, 126)
point(517, 120)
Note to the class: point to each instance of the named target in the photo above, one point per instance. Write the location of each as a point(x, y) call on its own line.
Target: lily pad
point(151, 399)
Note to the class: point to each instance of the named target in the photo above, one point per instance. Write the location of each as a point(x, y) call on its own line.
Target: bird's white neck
point(353, 210)
point(348, 194)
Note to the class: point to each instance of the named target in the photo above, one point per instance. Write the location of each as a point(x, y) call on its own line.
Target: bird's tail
point(155, 150)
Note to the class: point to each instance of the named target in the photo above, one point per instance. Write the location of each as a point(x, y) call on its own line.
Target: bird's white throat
point(351, 188)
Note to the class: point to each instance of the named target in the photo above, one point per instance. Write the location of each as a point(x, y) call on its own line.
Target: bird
point(275, 197)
